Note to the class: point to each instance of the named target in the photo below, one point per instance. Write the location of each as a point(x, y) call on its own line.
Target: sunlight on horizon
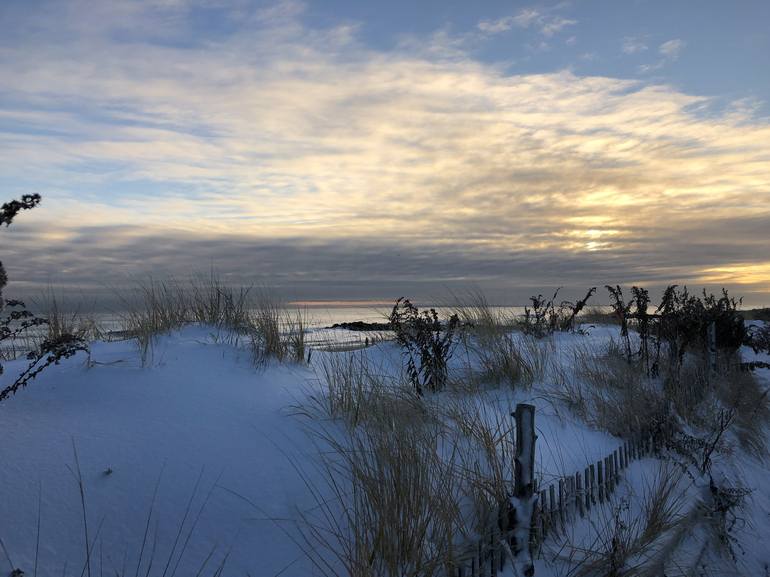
point(293, 136)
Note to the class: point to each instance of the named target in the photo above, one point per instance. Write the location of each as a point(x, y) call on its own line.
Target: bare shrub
point(722, 508)
point(546, 316)
point(425, 342)
point(16, 320)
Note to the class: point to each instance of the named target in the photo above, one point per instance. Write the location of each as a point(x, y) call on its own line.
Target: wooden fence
point(556, 506)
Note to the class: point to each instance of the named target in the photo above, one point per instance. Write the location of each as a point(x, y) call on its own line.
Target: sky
point(371, 150)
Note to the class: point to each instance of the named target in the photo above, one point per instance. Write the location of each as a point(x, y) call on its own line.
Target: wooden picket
point(556, 506)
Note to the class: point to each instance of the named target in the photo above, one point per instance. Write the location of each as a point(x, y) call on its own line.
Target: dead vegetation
point(237, 315)
point(496, 353)
point(410, 481)
point(631, 534)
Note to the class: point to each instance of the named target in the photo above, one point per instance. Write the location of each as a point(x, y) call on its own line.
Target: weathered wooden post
point(582, 498)
point(554, 507)
point(494, 546)
point(625, 455)
point(600, 479)
point(524, 485)
point(711, 335)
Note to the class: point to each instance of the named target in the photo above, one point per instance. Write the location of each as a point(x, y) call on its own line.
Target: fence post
point(625, 455)
point(494, 544)
point(600, 479)
point(711, 334)
point(524, 484)
point(552, 503)
point(581, 497)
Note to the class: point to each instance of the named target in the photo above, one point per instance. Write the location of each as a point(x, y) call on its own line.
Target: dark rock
point(361, 326)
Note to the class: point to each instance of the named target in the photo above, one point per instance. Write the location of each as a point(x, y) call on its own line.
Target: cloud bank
point(278, 151)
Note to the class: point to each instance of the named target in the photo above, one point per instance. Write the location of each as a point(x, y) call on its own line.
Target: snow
point(201, 413)
point(201, 408)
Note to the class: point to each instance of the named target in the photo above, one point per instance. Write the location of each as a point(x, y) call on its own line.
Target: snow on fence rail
point(553, 508)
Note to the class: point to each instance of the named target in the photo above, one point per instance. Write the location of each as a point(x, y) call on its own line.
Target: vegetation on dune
point(238, 315)
point(426, 344)
point(15, 319)
point(656, 378)
point(546, 317)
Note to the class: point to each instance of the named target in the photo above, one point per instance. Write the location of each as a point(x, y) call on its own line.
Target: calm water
point(317, 319)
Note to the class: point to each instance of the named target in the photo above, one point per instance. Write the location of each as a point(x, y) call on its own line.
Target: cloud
point(526, 17)
point(669, 52)
point(633, 45)
point(547, 24)
point(299, 156)
point(551, 26)
point(671, 48)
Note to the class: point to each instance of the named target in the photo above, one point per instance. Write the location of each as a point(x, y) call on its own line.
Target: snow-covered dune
point(222, 442)
point(198, 411)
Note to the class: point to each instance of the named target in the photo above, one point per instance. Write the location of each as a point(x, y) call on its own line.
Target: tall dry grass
point(496, 354)
point(275, 331)
point(610, 393)
point(475, 312)
point(635, 535)
point(212, 302)
point(388, 505)
point(409, 481)
point(237, 314)
point(352, 387)
point(74, 319)
point(152, 308)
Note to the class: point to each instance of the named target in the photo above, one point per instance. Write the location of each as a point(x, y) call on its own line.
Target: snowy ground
point(207, 428)
point(200, 410)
